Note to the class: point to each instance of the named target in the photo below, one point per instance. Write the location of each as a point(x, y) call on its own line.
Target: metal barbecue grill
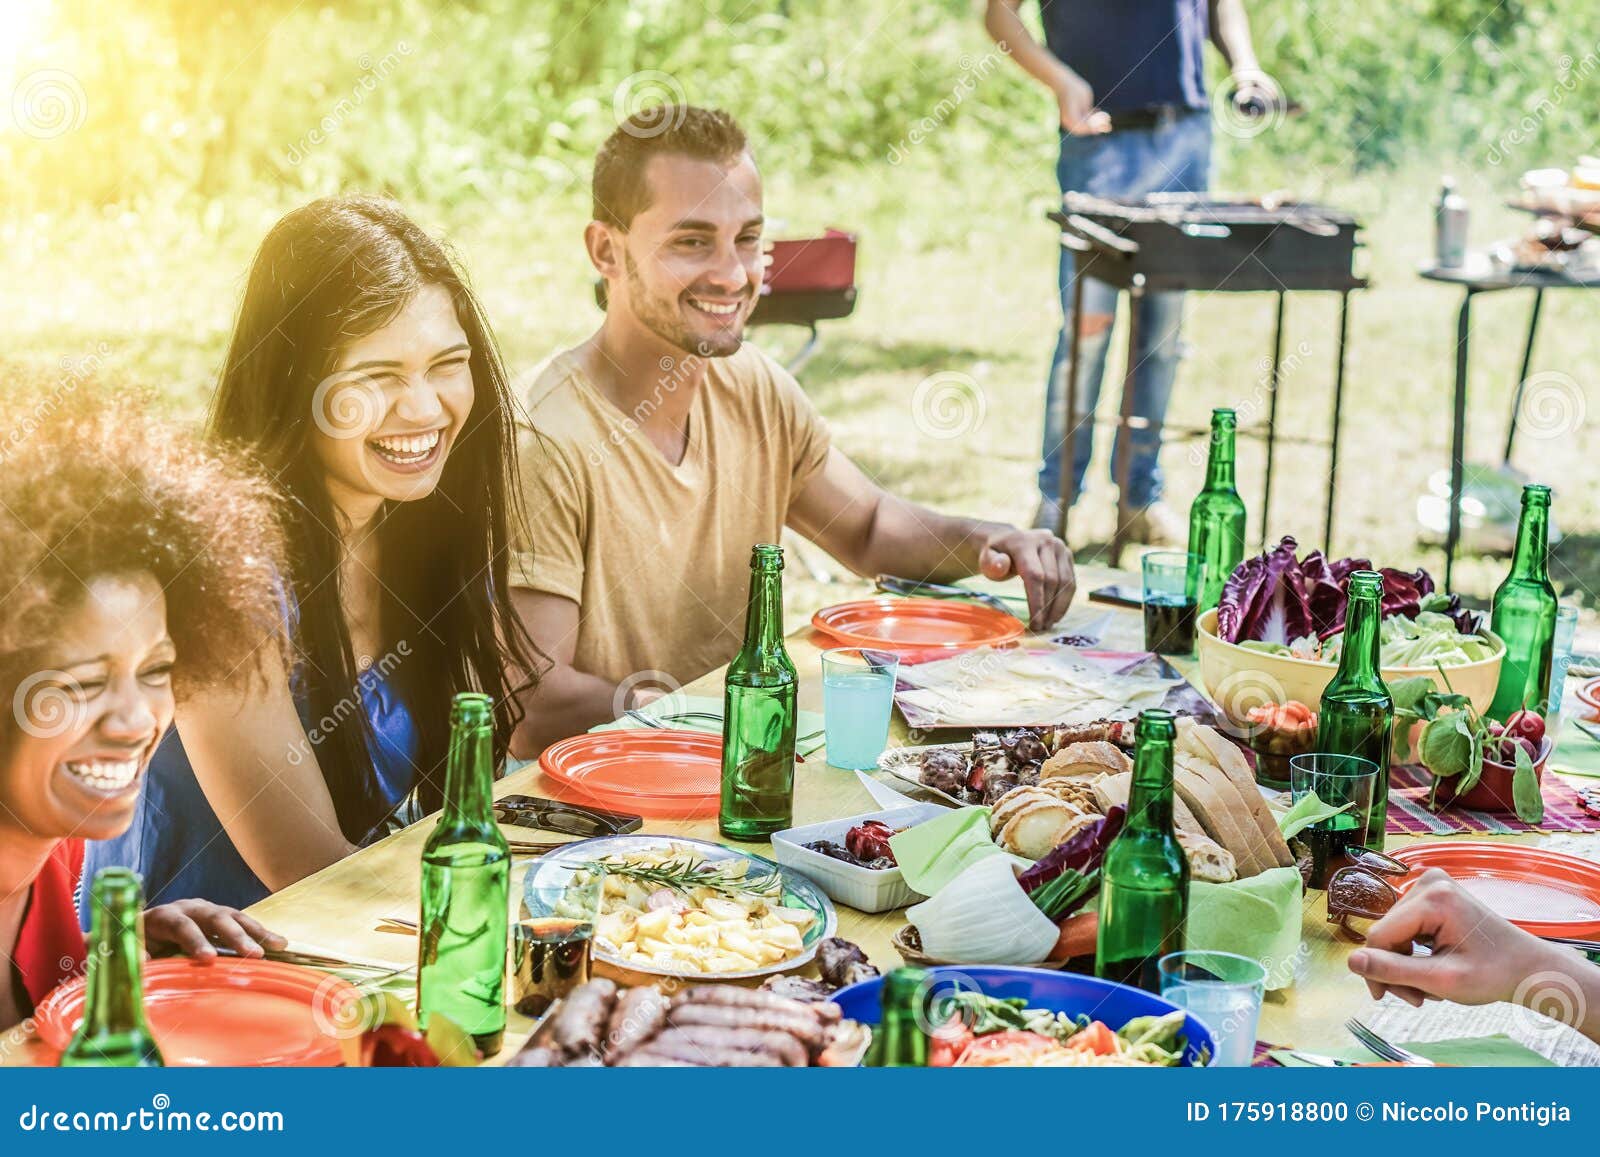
point(1218, 244)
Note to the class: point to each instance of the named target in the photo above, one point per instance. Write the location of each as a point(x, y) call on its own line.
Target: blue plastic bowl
point(1067, 992)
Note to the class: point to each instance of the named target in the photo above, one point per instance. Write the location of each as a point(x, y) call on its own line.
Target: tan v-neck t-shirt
point(657, 556)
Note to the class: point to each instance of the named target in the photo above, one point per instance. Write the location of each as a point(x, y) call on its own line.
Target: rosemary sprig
point(683, 875)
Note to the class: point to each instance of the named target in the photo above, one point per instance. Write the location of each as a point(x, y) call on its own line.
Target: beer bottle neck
point(1219, 467)
point(469, 775)
point(763, 621)
point(1150, 797)
point(1359, 656)
point(116, 967)
point(1533, 541)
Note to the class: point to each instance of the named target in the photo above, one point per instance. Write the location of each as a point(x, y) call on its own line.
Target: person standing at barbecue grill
point(1129, 79)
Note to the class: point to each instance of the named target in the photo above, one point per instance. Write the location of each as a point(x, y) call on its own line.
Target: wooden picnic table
point(339, 909)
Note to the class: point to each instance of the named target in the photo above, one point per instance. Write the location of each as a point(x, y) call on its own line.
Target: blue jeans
point(1174, 157)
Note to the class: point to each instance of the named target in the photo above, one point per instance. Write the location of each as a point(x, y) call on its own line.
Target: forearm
point(1230, 32)
point(914, 542)
point(566, 702)
point(1004, 23)
point(1564, 985)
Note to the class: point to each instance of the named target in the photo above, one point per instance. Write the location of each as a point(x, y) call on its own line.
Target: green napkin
point(1576, 753)
point(1258, 918)
point(936, 851)
point(1497, 1051)
point(808, 727)
point(1307, 810)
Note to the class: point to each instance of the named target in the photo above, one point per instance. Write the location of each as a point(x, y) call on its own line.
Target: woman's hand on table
point(197, 927)
point(1477, 956)
point(1043, 563)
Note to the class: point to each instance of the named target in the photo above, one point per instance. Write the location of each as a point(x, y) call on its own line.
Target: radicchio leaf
point(1265, 599)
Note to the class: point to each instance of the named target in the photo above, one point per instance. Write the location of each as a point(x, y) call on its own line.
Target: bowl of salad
point(1278, 632)
point(983, 1016)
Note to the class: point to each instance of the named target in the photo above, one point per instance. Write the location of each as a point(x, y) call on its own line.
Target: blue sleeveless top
point(179, 845)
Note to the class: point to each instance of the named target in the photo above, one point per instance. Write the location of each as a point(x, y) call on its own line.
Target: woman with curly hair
point(137, 571)
point(363, 377)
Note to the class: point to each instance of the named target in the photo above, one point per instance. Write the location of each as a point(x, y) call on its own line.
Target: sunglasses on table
point(530, 811)
point(1361, 890)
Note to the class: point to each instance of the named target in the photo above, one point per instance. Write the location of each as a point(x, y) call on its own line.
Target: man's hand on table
point(197, 927)
point(1478, 957)
point(1043, 563)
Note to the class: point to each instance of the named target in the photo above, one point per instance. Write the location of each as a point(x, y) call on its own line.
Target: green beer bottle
point(900, 1039)
point(1144, 880)
point(466, 889)
point(1525, 613)
point(1216, 518)
point(113, 1033)
point(759, 713)
point(1357, 714)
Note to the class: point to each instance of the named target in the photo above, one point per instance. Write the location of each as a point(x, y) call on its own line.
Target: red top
point(50, 946)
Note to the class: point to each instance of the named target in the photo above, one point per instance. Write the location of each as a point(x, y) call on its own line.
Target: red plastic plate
point(255, 1013)
point(917, 626)
point(667, 774)
point(1546, 893)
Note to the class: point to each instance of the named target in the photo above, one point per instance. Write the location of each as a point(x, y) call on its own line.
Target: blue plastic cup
point(857, 700)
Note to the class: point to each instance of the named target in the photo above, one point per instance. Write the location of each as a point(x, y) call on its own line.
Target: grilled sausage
point(581, 1018)
point(636, 1017)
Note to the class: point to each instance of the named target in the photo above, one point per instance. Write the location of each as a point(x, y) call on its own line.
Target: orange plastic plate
point(667, 774)
point(917, 626)
point(1546, 893)
point(255, 1013)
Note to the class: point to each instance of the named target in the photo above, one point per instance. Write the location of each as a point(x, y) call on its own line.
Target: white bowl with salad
point(1277, 634)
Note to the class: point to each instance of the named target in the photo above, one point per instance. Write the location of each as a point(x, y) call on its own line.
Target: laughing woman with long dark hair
point(363, 377)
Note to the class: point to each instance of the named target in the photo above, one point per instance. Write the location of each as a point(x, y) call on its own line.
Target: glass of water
point(1560, 660)
point(857, 700)
point(1223, 990)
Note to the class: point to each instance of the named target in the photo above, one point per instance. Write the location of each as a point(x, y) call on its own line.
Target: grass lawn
point(957, 277)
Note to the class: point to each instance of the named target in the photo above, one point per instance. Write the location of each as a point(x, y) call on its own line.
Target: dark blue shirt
point(1135, 54)
point(178, 843)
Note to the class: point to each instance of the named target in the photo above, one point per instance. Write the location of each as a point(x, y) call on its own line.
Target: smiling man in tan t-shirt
point(663, 448)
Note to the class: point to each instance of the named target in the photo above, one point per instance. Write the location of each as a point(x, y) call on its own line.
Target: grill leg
point(1119, 536)
point(1272, 418)
point(1522, 379)
point(1333, 439)
point(1458, 440)
point(1069, 439)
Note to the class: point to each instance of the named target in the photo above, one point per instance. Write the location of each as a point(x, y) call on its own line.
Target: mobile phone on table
point(1118, 595)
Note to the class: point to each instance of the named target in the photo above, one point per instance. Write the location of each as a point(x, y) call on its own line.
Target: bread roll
point(1036, 829)
point(1112, 791)
point(1216, 803)
point(1209, 862)
point(1227, 758)
point(1094, 757)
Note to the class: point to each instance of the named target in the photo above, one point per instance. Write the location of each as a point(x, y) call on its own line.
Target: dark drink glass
point(550, 958)
point(1343, 781)
point(552, 944)
point(1173, 581)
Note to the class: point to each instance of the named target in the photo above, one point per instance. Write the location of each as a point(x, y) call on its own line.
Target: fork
point(1382, 1048)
